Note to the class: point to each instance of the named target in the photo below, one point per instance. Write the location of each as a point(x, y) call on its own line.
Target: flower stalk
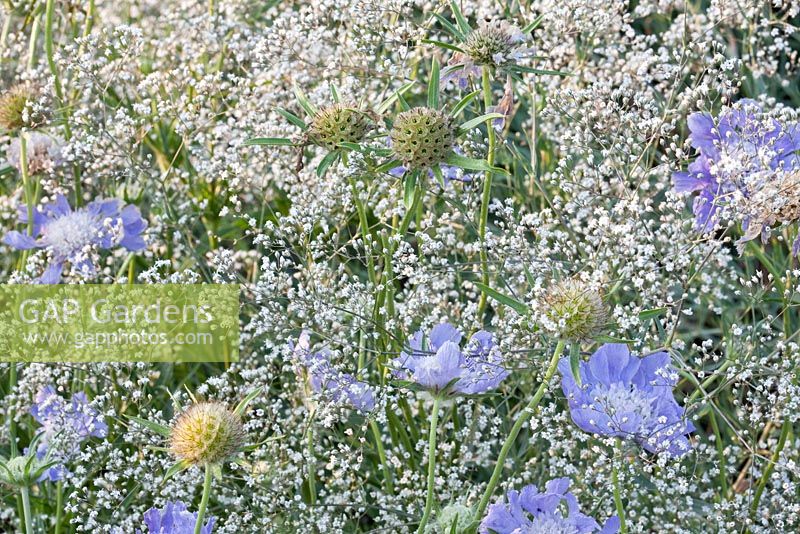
point(201, 513)
point(486, 197)
point(431, 464)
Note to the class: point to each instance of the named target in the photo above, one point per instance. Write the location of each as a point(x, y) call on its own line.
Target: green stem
point(59, 505)
point(431, 465)
point(623, 528)
point(365, 235)
point(387, 473)
point(32, 43)
point(523, 417)
point(486, 197)
point(786, 428)
point(312, 468)
point(723, 476)
point(26, 508)
point(201, 513)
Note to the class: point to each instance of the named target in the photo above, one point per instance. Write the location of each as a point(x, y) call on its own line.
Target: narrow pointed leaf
point(464, 102)
point(463, 25)
point(269, 141)
point(433, 85)
point(242, 406)
point(530, 70)
point(409, 187)
point(326, 162)
point(176, 468)
point(388, 166)
point(575, 362)
point(533, 25)
point(389, 102)
point(304, 103)
point(294, 119)
point(472, 164)
point(442, 44)
point(470, 124)
point(150, 425)
point(651, 314)
point(520, 307)
point(437, 173)
point(335, 94)
point(455, 32)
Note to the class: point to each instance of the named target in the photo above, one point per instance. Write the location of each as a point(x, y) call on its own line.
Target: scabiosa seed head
point(206, 433)
point(422, 137)
point(338, 124)
point(493, 43)
point(574, 310)
point(16, 108)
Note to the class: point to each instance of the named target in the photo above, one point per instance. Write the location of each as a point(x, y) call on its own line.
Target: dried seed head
point(422, 137)
point(16, 108)
point(338, 124)
point(574, 310)
point(206, 433)
point(493, 43)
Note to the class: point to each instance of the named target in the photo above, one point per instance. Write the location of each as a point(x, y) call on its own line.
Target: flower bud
point(338, 124)
point(422, 137)
point(493, 43)
point(573, 310)
point(206, 433)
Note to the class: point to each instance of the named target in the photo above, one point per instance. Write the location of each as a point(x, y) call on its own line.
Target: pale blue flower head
point(553, 511)
point(323, 377)
point(174, 518)
point(438, 363)
point(628, 397)
point(74, 236)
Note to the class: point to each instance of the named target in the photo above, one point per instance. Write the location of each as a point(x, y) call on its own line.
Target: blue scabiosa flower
point(65, 426)
point(322, 377)
point(554, 510)
point(747, 165)
point(75, 236)
point(628, 397)
point(174, 518)
point(438, 363)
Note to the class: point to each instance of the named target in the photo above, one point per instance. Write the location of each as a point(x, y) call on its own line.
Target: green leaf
point(651, 314)
point(389, 102)
point(463, 25)
point(294, 119)
point(269, 141)
point(388, 166)
point(533, 25)
point(404, 105)
point(455, 32)
point(470, 124)
point(471, 164)
point(326, 162)
point(153, 427)
point(242, 406)
point(334, 94)
point(575, 361)
point(437, 173)
point(6, 170)
point(529, 70)
point(520, 307)
point(303, 101)
point(433, 85)
point(464, 102)
point(176, 468)
point(441, 44)
point(409, 186)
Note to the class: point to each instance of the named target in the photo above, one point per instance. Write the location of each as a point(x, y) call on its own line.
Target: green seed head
point(16, 108)
point(574, 310)
point(454, 514)
point(206, 433)
point(492, 43)
point(338, 124)
point(422, 137)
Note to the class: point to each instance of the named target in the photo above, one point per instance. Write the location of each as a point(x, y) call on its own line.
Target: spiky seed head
point(422, 137)
point(574, 310)
point(492, 43)
point(206, 433)
point(16, 108)
point(338, 124)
